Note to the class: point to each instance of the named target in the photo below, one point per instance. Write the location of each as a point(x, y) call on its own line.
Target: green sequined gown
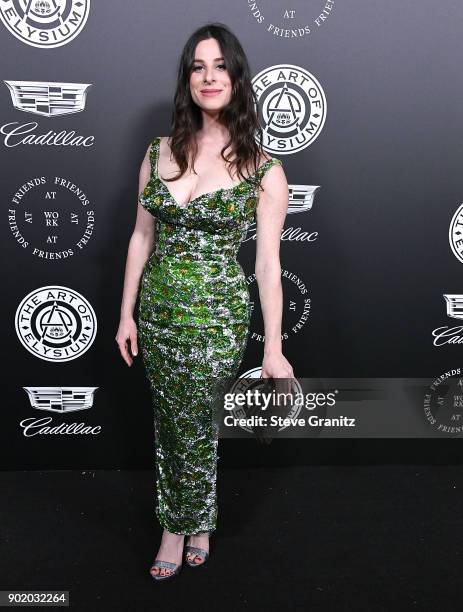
point(193, 324)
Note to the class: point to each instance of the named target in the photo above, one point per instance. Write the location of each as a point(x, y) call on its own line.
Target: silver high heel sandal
point(168, 565)
point(198, 552)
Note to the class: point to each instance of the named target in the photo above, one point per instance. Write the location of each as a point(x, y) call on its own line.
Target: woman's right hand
point(127, 338)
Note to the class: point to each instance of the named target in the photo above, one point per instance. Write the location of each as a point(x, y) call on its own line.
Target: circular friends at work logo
point(443, 403)
point(290, 20)
point(51, 218)
point(291, 108)
point(297, 305)
point(56, 323)
point(44, 23)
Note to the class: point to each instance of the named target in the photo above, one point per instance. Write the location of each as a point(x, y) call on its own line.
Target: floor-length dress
point(193, 326)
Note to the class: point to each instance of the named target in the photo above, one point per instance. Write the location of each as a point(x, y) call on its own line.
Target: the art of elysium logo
point(296, 305)
point(456, 233)
point(443, 405)
point(56, 323)
point(291, 108)
point(291, 20)
point(44, 23)
point(51, 218)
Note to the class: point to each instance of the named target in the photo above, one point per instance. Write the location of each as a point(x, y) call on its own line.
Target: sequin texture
point(193, 324)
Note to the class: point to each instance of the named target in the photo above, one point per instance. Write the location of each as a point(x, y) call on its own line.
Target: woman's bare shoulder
point(264, 157)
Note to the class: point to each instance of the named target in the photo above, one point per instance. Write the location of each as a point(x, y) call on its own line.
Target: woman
point(199, 190)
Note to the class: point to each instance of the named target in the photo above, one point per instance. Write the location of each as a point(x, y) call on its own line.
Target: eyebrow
point(214, 60)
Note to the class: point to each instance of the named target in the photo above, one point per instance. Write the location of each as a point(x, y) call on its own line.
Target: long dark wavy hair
point(239, 115)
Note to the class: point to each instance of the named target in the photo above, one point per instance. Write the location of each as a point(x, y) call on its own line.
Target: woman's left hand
point(275, 365)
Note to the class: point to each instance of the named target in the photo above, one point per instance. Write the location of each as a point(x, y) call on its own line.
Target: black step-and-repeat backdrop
point(359, 100)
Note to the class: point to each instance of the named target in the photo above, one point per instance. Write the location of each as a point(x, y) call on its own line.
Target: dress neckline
point(202, 195)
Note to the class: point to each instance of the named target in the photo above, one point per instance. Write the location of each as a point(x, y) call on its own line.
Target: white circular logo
point(291, 20)
point(55, 323)
point(443, 402)
point(297, 305)
point(252, 381)
point(44, 23)
point(456, 233)
point(291, 108)
point(52, 218)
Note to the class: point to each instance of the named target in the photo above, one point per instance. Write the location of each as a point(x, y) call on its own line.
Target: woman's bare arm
point(141, 245)
point(270, 216)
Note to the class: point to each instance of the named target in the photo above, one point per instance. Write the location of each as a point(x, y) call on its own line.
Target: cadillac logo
point(61, 399)
point(49, 99)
